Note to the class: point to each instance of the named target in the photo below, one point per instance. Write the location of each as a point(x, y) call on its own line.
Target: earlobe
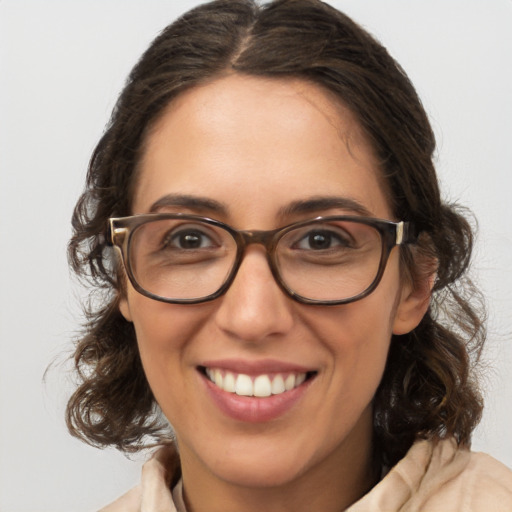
point(413, 305)
point(124, 308)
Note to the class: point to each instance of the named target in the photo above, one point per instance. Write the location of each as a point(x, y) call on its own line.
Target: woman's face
point(247, 149)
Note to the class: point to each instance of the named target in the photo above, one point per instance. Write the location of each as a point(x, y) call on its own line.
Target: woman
point(283, 284)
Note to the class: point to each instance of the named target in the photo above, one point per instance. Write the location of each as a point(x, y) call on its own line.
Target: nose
point(254, 308)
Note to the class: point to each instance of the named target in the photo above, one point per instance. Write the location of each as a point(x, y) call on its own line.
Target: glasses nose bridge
point(267, 239)
point(264, 238)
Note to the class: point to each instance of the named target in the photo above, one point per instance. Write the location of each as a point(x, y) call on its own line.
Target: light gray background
point(62, 64)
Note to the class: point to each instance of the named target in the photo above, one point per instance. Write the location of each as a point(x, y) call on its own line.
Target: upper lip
point(257, 367)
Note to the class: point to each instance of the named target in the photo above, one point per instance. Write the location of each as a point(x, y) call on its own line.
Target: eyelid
point(323, 225)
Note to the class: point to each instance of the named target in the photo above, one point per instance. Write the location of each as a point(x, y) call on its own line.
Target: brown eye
point(190, 240)
point(189, 237)
point(321, 240)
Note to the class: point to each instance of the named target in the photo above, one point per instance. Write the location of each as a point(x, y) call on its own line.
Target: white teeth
point(278, 385)
point(289, 383)
point(260, 386)
point(229, 383)
point(218, 378)
point(243, 385)
point(300, 379)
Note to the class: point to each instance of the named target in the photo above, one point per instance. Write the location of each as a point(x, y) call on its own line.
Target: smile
point(260, 386)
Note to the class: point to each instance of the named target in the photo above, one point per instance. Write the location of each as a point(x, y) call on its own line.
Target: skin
point(256, 145)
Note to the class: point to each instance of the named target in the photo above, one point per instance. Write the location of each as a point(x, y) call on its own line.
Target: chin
point(262, 460)
point(250, 473)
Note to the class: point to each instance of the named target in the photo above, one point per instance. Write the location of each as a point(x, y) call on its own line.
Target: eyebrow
point(198, 203)
point(311, 205)
point(316, 204)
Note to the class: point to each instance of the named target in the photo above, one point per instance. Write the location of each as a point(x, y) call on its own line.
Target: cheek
point(358, 337)
point(163, 335)
point(359, 361)
point(162, 327)
point(361, 326)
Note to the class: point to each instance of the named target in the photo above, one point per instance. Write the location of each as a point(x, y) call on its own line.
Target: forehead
point(241, 138)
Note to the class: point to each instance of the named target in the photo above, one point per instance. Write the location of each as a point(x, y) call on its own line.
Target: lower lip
point(252, 409)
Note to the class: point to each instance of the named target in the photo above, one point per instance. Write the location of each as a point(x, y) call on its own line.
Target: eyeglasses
point(188, 259)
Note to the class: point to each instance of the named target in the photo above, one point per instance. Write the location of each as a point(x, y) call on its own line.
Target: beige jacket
point(430, 478)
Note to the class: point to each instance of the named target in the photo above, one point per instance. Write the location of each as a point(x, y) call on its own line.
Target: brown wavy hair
point(428, 389)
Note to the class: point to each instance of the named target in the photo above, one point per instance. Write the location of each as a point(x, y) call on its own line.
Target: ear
point(124, 308)
point(413, 304)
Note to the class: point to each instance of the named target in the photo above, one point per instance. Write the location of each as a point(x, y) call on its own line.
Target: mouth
point(261, 386)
